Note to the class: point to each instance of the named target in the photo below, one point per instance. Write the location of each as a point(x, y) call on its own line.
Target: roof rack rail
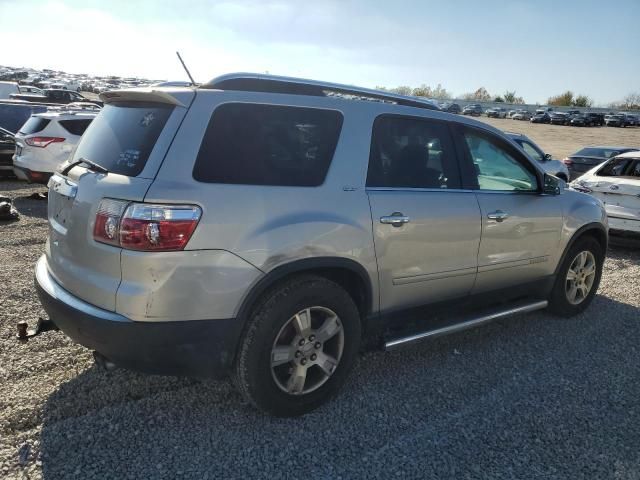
point(254, 82)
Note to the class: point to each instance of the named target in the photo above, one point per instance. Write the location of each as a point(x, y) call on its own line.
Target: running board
point(468, 323)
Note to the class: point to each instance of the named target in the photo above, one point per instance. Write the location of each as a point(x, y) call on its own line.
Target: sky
point(538, 48)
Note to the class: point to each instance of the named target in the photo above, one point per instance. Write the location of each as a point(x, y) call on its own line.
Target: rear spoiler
point(146, 95)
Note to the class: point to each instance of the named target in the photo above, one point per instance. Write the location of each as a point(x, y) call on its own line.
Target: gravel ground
point(529, 397)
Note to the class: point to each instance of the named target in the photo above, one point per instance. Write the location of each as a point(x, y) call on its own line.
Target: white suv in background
point(46, 140)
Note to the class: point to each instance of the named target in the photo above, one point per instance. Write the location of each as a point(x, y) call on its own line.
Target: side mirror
point(551, 185)
point(547, 156)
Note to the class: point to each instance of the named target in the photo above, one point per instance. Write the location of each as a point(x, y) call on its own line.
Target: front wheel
point(300, 344)
point(578, 278)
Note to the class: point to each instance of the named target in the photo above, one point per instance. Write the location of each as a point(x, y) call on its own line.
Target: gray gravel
point(530, 397)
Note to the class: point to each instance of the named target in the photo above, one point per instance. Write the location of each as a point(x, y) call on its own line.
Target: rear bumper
point(31, 176)
point(624, 224)
point(199, 348)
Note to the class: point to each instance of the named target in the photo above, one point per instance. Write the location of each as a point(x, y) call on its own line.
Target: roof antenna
point(186, 69)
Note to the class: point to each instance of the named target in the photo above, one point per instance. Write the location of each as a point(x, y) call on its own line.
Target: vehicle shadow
point(29, 206)
point(124, 425)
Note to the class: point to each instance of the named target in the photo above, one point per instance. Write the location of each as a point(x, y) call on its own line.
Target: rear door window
point(123, 135)
point(75, 127)
point(412, 152)
point(34, 125)
point(256, 144)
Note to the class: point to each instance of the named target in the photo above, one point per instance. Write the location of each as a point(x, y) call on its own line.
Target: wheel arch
point(595, 230)
point(347, 273)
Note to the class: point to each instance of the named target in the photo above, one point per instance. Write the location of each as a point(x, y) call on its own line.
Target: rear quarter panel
point(270, 226)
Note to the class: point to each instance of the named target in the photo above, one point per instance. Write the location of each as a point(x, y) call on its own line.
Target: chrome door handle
point(498, 216)
point(396, 219)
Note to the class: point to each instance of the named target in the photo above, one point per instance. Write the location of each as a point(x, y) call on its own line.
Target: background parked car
point(560, 118)
point(616, 183)
point(546, 161)
point(7, 149)
point(7, 89)
point(474, 110)
point(542, 117)
point(51, 96)
point(497, 112)
point(45, 141)
point(522, 115)
point(451, 107)
point(581, 120)
point(617, 120)
point(596, 118)
point(585, 159)
point(30, 89)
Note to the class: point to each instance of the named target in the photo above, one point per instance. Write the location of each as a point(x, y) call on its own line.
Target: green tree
point(498, 99)
point(582, 101)
point(563, 100)
point(422, 91)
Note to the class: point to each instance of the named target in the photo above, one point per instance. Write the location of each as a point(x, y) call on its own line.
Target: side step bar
point(465, 324)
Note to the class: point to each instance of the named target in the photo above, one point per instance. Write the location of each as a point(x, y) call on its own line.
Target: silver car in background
point(545, 160)
point(266, 228)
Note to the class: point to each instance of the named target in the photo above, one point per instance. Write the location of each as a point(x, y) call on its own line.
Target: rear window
point(256, 144)
point(597, 152)
point(75, 127)
point(34, 125)
point(122, 136)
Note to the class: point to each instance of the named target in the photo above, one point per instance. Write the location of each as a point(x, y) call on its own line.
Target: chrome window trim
point(450, 190)
point(409, 189)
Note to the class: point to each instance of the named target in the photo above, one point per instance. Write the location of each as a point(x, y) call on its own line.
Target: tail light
point(144, 226)
point(567, 161)
point(42, 142)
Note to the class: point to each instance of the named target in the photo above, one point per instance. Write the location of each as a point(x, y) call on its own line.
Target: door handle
point(498, 216)
point(396, 219)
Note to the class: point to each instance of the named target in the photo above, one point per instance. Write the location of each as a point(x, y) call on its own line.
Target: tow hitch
point(25, 333)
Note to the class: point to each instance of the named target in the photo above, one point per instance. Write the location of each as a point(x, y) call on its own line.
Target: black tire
point(559, 304)
point(252, 371)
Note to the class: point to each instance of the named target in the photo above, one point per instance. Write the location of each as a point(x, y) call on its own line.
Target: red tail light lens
point(567, 161)
point(146, 227)
point(158, 227)
point(42, 142)
point(107, 226)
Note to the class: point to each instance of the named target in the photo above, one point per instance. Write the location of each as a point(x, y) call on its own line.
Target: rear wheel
point(578, 278)
point(300, 345)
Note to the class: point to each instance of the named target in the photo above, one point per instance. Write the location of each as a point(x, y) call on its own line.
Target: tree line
point(565, 99)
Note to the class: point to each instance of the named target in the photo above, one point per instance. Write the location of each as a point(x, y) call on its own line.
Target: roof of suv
point(270, 84)
point(299, 86)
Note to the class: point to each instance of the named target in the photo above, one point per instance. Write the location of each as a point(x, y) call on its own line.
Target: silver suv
point(265, 227)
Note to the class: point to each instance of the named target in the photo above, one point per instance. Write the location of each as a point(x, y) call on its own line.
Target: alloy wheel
point(307, 350)
point(580, 277)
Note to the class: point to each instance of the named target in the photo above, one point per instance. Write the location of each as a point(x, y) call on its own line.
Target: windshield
point(122, 136)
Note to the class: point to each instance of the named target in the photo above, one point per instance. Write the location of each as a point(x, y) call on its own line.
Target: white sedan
point(616, 183)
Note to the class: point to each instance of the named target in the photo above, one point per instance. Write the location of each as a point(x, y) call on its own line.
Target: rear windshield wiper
point(92, 166)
